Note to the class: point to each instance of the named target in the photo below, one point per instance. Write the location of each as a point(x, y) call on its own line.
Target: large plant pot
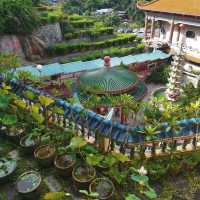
point(28, 145)
point(28, 185)
point(83, 175)
point(104, 187)
point(45, 155)
point(15, 135)
point(64, 164)
point(7, 167)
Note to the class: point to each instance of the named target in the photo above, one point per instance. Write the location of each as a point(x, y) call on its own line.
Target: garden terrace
point(127, 137)
point(65, 48)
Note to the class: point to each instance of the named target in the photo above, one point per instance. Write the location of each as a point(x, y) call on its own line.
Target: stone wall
point(32, 46)
point(49, 34)
point(11, 44)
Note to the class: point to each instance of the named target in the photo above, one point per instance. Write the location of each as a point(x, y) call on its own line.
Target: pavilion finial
point(107, 61)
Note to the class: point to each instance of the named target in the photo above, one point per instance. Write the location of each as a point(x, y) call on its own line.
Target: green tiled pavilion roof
point(110, 80)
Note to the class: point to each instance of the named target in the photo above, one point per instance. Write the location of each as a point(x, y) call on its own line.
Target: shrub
point(159, 75)
point(63, 48)
point(82, 23)
point(114, 51)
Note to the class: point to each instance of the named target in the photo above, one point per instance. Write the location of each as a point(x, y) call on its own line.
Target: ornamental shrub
point(160, 75)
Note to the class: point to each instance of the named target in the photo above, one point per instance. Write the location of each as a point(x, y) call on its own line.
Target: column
point(152, 28)
point(178, 35)
point(171, 31)
point(146, 28)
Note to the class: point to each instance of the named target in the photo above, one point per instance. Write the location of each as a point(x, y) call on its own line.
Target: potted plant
point(28, 184)
point(101, 162)
point(44, 154)
point(30, 141)
point(64, 164)
point(104, 187)
point(28, 144)
point(82, 175)
point(7, 167)
point(14, 133)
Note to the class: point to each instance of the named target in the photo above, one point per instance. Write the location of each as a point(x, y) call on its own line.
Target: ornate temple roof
point(112, 80)
point(182, 7)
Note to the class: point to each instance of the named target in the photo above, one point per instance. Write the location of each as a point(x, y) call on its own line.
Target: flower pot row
point(83, 175)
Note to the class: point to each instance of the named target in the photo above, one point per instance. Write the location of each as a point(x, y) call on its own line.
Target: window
point(190, 34)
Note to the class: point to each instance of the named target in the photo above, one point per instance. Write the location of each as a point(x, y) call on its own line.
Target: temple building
point(175, 24)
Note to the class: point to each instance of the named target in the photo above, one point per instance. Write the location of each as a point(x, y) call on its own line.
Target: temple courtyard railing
point(125, 138)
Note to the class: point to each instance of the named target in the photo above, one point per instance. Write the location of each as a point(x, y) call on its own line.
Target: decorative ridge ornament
point(107, 61)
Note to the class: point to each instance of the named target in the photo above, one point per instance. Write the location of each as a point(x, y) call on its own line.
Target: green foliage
point(113, 51)
point(92, 33)
point(65, 48)
point(8, 62)
point(17, 17)
point(57, 196)
point(77, 143)
point(89, 194)
point(190, 93)
point(132, 197)
point(159, 75)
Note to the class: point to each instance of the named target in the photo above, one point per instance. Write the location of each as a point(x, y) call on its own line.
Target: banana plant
point(45, 102)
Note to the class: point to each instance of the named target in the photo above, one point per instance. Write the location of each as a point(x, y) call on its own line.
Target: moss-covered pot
point(7, 167)
point(104, 187)
point(28, 185)
point(83, 175)
point(45, 155)
point(64, 164)
point(28, 145)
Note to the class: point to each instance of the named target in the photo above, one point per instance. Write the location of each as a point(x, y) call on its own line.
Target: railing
point(124, 138)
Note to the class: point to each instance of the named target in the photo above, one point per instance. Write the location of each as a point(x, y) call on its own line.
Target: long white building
point(172, 24)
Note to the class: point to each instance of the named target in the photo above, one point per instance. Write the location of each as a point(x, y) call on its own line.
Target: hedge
point(114, 51)
point(49, 17)
point(91, 33)
point(65, 48)
point(82, 23)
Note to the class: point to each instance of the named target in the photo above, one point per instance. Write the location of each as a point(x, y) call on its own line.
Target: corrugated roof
point(183, 7)
point(73, 67)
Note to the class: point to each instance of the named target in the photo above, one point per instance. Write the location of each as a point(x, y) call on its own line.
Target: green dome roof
point(113, 80)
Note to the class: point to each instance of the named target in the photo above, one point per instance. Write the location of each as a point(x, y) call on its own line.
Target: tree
point(17, 17)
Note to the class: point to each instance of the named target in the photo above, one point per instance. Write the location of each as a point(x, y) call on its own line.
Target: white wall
point(194, 43)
